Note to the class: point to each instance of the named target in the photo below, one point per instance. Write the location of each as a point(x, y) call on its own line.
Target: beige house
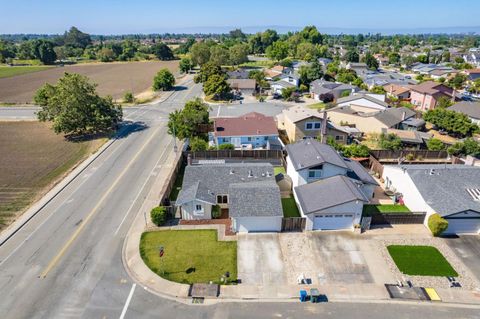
point(300, 122)
point(372, 122)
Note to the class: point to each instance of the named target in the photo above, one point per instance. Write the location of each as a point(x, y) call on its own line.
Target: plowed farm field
point(113, 79)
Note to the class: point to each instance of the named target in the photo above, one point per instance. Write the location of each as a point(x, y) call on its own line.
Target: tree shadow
point(129, 127)
point(124, 129)
point(180, 88)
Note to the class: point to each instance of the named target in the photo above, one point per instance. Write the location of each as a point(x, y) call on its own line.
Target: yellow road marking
point(77, 232)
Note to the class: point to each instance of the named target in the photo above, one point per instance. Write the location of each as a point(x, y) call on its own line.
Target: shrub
point(198, 144)
point(216, 211)
point(158, 215)
point(226, 147)
point(128, 97)
point(437, 224)
point(409, 157)
point(164, 80)
point(434, 144)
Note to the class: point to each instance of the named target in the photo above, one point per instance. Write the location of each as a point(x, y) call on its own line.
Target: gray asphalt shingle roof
point(393, 116)
point(361, 96)
point(309, 152)
point(357, 171)
point(196, 191)
point(470, 109)
point(445, 188)
point(329, 192)
point(255, 199)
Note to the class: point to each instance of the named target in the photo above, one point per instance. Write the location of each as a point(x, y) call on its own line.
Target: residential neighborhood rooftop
point(255, 199)
point(309, 152)
point(359, 96)
point(328, 192)
point(250, 124)
point(471, 109)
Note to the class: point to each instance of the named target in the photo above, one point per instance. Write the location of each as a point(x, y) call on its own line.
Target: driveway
point(323, 257)
point(467, 248)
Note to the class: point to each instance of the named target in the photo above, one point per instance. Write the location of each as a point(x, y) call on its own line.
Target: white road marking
point(127, 303)
point(141, 189)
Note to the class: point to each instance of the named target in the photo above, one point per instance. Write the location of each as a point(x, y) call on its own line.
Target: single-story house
point(397, 91)
point(300, 122)
point(364, 102)
point(425, 96)
point(359, 68)
point(238, 74)
point(250, 131)
point(243, 86)
point(470, 109)
point(373, 122)
point(247, 190)
point(330, 190)
point(320, 87)
point(278, 86)
point(473, 74)
point(452, 191)
point(473, 57)
point(410, 138)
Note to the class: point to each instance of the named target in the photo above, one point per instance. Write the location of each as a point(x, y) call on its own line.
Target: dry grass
point(33, 159)
point(113, 79)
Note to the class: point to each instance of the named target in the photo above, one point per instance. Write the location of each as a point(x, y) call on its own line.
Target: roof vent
point(269, 174)
point(250, 173)
point(475, 193)
point(232, 171)
point(431, 172)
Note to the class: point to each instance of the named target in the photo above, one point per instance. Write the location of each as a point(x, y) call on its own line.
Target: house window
point(198, 207)
point(314, 173)
point(338, 137)
point(249, 139)
point(312, 126)
point(266, 138)
point(222, 199)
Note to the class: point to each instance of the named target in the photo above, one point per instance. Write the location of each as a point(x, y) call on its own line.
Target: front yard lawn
point(279, 170)
point(421, 261)
point(372, 209)
point(191, 256)
point(290, 208)
point(317, 106)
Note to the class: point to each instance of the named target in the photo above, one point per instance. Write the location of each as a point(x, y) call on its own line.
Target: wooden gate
point(293, 223)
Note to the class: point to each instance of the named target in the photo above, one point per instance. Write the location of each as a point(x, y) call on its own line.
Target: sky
point(159, 16)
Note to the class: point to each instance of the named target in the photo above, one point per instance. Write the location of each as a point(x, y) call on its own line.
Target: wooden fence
point(293, 223)
point(416, 154)
point(397, 218)
point(236, 154)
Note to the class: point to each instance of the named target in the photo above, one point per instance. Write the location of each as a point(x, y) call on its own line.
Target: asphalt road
point(66, 261)
point(467, 248)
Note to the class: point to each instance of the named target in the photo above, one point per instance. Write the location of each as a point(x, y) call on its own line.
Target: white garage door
point(333, 221)
point(257, 224)
point(463, 226)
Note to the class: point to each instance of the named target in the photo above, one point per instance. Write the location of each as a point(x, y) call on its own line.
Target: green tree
point(43, 50)
point(158, 215)
point(352, 56)
point(371, 62)
point(310, 73)
point(217, 86)
point(76, 38)
point(75, 108)
point(390, 142)
point(200, 53)
point(238, 54)
point(451, 121)
point(219, 55)
point(185, 65)
point(378, 90)
point(277, 51)
point(162, 51)
point(185, 123)
point(207, 70)
point(458, 81)
point(394, 58)
point(128, 97)
point(434, 144)
point(106, 55)
point(444, 102)
point(310, 34)
point(164, 80)
point(198, 144)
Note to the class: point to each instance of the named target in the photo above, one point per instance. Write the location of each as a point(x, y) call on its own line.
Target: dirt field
point(32, 159)
point(112, 78)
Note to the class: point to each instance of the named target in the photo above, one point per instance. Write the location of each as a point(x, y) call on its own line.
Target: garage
point(463, 225)
point(257, 224)
point(333, 221)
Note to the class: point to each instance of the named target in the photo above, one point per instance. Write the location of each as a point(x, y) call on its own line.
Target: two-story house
point(329, 190)
point(250, 131)
point(426, 95)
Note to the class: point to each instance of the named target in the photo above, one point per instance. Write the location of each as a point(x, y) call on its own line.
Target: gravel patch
point(465, 278)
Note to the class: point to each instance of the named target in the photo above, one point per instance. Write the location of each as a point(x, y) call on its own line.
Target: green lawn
point(9, 71)
point(371, 209)
point(421, 261)
point(279, 170)
point(290, 208)
point(317, 106)
point(191, 256)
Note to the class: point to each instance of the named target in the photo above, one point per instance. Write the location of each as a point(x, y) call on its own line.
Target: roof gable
point(308, 153)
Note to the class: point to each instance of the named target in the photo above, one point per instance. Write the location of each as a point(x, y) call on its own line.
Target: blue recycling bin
point(303, 295)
